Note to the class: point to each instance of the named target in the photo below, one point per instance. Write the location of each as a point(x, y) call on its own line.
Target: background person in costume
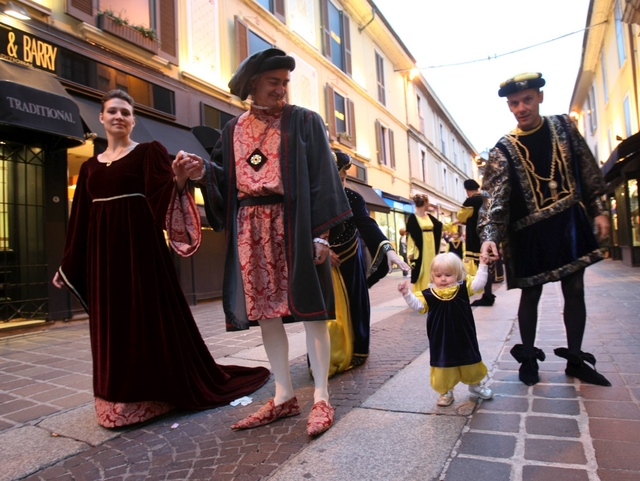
point(542, 188)
point(453, 345)
point(402, 245)
point(468, 216)
point(350, 331)
point(273, 186)
point(423, 241)
point(456, 244)
point(148, 355)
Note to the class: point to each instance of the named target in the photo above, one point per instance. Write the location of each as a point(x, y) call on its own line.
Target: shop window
point(85, 71)
point(622, 50)
point(382, 96)
point(591, 107)
point(341, 118)
point(385, 145)
point(603, 70)
point(23, 267)
point(214, 118)
point(247, 41)
point(159, 15)
point(274, 6)
point(634, 211)
point(336, 36)
point(627, 117)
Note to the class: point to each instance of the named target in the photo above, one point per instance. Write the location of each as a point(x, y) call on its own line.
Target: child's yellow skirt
point(444, 379)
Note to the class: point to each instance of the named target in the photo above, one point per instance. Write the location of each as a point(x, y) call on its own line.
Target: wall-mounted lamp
point(574, 115)
point(16, 11)
point(411, 72)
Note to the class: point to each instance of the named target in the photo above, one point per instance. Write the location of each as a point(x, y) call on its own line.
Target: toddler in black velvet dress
point(453, 346)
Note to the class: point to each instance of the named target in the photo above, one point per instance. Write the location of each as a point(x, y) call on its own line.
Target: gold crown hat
point(522, 81)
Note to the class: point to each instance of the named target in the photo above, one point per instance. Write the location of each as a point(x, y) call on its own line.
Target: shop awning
point(623, 152)
point(207, 136)
point(373, 200)
point(397, 202)
point(36, 109)
point(173, 137)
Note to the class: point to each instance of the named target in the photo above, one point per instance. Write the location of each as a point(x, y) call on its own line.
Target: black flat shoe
point(484, 301)
point(577, 367)
point(528, 372)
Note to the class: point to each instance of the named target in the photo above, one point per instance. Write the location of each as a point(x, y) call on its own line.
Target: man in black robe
point(541, 189)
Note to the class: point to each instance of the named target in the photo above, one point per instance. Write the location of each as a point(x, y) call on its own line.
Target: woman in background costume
point(423, 242)
point(148, 355)
point(350, 331)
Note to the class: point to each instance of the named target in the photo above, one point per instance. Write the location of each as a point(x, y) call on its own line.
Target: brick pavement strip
point(566, 430)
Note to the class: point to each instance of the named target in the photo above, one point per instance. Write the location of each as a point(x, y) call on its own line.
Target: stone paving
point(558, 429)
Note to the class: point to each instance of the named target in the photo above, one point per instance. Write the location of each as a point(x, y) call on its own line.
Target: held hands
point(186, 166)
point(394, 258)
point(321, 248)
point(403, 287)
point(484, 258)
point(489, 250)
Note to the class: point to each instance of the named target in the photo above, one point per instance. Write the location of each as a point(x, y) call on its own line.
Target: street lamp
point(16, 11)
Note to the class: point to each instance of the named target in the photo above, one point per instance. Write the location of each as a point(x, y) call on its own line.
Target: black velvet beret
point(343, 161)
point(259, 62)
point(471, 184)
point(523, 81)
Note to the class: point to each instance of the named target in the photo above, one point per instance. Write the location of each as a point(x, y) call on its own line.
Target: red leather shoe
point(320, 419)
point(269, 413)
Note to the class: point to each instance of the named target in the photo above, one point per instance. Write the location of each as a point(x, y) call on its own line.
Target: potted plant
point(139, 35)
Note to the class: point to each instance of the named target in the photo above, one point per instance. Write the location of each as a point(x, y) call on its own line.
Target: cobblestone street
point(387, 424)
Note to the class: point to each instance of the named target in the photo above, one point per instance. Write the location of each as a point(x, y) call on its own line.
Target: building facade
point(175, 58)
point(605, 107)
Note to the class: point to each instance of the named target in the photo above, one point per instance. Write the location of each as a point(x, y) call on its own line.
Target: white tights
point(276, 345)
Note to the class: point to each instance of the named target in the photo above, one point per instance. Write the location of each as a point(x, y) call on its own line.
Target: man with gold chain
point(541, 190)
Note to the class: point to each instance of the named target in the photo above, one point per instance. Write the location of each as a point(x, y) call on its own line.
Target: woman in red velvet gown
point(148, 355)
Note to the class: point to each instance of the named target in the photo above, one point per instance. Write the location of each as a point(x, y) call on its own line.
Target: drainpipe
point(373, 17)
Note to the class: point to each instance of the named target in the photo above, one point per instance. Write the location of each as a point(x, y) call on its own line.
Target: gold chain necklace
point(528, 164)
point(116, 156)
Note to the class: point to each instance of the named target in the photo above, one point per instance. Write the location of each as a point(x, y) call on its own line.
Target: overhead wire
point(495, 56)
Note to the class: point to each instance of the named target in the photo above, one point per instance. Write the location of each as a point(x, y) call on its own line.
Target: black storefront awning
point(35, 109)
point(173, 137)
point(373, 200)
point(623, 153)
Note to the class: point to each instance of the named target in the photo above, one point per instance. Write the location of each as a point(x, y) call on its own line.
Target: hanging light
point(16, 11)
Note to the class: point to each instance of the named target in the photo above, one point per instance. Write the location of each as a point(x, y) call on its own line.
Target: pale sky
point(448, 31)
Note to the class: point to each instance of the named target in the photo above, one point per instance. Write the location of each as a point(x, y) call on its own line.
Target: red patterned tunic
point(261, 246)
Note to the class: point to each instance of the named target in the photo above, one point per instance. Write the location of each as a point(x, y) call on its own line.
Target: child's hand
point(484, 259)
point(403, 287)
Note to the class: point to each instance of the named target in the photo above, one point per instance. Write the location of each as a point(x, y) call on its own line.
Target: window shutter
point(278, 10)
point(326, 32)
point(392, 150)
point(346, 38)
point(167, 33)
point(331, 112)
point(242, 40)
point(351, 126)
point(82, 10)
point(379, 142)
